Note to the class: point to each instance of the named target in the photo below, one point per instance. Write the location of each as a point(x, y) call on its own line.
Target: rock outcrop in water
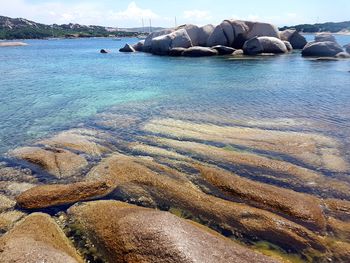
point(253, 37)
point(294, 38)
point(322, 49)
point(325, 45)
point(259, 45)
point(230, 34)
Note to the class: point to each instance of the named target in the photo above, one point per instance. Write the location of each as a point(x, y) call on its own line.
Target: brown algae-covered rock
point(59, 162)
point(168, 189)
point(37, 238)
point(127, 233)
point(44, 196)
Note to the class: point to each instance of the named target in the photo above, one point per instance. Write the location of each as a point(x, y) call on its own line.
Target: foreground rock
point(294, 38)
point(126, 233)
point(44, 196)
point(59, 162)
point(322, 49)
point(199, 52)
point(301, 208)
point(127, 48)
point(139, 182)
point(12, 44)
point(37, 238)
point(259, 45)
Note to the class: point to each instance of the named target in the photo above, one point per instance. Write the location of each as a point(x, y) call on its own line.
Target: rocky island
point(234, 37)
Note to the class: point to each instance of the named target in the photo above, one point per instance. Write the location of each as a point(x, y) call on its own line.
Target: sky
point(129, 13)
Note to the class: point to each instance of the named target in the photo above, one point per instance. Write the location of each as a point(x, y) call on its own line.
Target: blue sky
point(128, 13)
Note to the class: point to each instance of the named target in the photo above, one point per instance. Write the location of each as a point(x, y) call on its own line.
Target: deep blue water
point(51, 85)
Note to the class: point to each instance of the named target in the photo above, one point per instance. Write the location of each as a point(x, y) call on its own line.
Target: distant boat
point(117, 38)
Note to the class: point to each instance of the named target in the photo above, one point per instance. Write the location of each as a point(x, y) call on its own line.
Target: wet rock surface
point(260, 183)
point(58, 162)
point(128, 233)
point(53, 195)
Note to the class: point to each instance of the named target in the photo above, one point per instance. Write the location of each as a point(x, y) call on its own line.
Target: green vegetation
point(18, 28)
point(324, 27)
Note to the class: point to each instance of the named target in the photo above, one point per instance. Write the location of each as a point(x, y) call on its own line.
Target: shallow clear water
point(53, 85)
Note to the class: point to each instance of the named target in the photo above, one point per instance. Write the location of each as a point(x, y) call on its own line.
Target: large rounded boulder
point(161, 45)
point(193, 32)
point(294, 38)
point(258, 29)
point(218, 37)
point(322, 49)
point(204, 33)
point(180, 38)
point(325, 37)
point(260, 45)
point(148, 41)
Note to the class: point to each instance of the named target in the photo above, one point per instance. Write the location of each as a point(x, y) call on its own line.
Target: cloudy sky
point(128, 13)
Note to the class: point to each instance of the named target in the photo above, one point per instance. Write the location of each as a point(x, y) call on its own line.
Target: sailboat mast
point(143, 26)
point(150, 25)
point(175, 22)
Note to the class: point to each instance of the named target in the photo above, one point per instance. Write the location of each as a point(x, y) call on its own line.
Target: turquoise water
point(52, 85)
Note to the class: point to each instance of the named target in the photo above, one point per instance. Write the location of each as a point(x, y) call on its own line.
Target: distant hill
point(20, 28)
point(321, 27)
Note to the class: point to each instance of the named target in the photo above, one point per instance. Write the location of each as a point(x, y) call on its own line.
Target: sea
point(54, 85)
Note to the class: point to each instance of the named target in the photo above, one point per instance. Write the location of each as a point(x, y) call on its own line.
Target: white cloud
point(80, 12)
point(197, 15)
point(135, 12)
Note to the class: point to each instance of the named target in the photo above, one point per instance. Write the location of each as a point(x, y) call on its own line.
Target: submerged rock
point(8, 219)
point(199, 52)
point(44, 196)
point(6, 203)
point(301, 208)
point(59, 162)
point(223, 50)
point(104, 51)
point(138, 180)
point(12, 44)
point(260, 45)
point(294, 38)
point(37, 238)
point(322, 49)
point(127, 48)
point(127, 233)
